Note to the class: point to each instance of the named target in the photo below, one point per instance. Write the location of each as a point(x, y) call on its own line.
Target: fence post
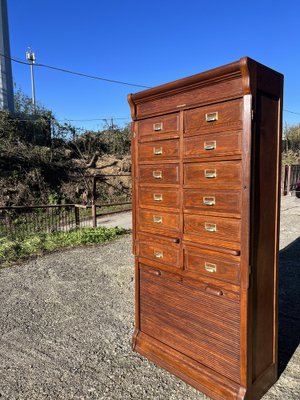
point(288, 188)
point(77, 220)
point(94, 216)
point(282, 180)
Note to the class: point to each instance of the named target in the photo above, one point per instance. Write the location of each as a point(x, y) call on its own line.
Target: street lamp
point(30, 57)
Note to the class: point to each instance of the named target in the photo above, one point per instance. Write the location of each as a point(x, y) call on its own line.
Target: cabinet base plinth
point(201, 378)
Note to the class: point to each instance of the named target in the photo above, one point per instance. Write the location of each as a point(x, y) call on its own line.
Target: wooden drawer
point(209, 227)
point(196, 261)
point(163, 127)
point(214, 118)
point(159, 197)
point(211, 201)
point(159, 174)
point(162, 150)
point(212, 145)
point(158, 220)
point(223, 174)
point(158, 249)
point(202, 324)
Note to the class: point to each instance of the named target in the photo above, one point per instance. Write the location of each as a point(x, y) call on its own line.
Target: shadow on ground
point(289, 303)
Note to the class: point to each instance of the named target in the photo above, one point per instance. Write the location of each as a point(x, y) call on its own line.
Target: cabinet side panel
point(264, 240)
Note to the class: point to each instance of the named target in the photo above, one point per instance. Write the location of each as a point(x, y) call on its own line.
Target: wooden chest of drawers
point(205, 162)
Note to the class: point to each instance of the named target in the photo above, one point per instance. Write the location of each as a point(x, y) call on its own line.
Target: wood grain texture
point(212, 145)
point(221, 175)
point(213, 202)
point(159, 197)
point(212, 266)
point(206, 162)
point(159, 174)
point(159, 150)
point(227, 115)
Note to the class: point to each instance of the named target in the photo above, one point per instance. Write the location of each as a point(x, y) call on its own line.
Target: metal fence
point(290, 175)
point(26, 220)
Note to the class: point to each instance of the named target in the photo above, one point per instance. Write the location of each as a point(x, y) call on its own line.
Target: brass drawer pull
point(210, 173)
point(158, 254)
point(157, 220)
point(210, 145)
point(157, 151)
point(210, 227)
point(157, 197)
point(157, 174)
point(209, 201)
point(209, 267)
point(158, 127)
point(212, 116)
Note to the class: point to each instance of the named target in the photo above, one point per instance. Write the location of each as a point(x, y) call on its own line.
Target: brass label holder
point(158, 127)
point(210, 267)
point(209, 200)
point(157, 220)
point(212, 116)
point(158, 254)
point(210, 145)
point(157, 174)
point(157, 197)
point(209, 227)
point(210, 173)
point(157, 151)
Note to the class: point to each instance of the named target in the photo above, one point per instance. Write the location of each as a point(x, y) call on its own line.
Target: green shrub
point(16, 249)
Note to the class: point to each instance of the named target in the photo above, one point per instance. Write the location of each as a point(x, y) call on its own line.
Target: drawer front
point(159, 174)
point(213, 118)
point(223, 174)
point(162, 150)
point(213, 201)
point(213, 145)
point(158, 220)
point(201, 325)
point(212, 227)
point(160, 250)
point(159, 127)
point(159, 197)
point(198, 262)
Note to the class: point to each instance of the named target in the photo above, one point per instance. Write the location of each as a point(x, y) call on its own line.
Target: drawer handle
point(157, 220)
point(157, 197)
point(210, 173)
point(212, 116)
point(158, 254)
point(157, 151)
point(210, 267)
point(210, 145)
point(158, 127)
point(210, 227)
point(209, 201)
point(154, 272)
point(214, 291)
point(157, 174)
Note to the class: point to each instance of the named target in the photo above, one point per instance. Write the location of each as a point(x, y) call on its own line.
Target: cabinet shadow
point(289, 303)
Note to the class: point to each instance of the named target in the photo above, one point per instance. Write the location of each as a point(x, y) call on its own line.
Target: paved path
point(66, 321)
point(122, 220)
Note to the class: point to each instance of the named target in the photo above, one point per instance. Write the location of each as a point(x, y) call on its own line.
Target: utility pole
point(6, 81)
point(30, 57)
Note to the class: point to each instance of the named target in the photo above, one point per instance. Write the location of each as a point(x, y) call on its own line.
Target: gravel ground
point(66, 321)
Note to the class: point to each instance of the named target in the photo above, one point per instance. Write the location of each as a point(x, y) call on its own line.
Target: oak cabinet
point(205, 165)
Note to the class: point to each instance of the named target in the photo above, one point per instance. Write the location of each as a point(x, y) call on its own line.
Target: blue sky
point(149, 43)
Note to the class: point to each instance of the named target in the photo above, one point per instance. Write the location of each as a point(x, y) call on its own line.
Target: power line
point(292, 112)
point(18, 60)
point(74, 72)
